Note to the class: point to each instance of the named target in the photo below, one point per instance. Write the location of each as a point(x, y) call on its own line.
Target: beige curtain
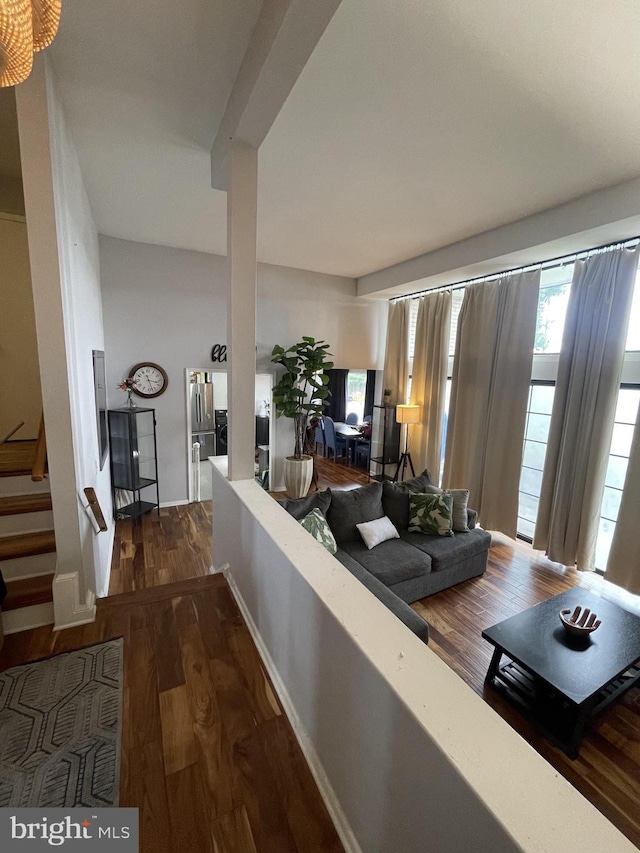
point(489, 393)
point(396, 363)
point(584, 406)
point(623, 566)
point(429, 380)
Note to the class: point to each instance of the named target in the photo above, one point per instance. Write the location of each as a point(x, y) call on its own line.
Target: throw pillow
point(300, 507)
point(430, 514)
point(395, 497)
point(317, 525)
point(352, 507)
point(377, 531)
point(460, 504)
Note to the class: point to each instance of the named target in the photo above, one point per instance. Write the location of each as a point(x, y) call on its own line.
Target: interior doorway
point(207, 426)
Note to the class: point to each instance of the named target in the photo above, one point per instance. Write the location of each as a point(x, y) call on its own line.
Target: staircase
point(27, 541)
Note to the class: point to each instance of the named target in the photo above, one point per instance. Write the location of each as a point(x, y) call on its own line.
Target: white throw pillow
point(377, 531)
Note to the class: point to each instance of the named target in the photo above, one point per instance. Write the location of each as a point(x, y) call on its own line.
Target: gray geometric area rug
point(60, 730)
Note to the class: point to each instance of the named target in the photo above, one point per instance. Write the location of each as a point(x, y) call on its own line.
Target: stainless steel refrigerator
point(202, 418)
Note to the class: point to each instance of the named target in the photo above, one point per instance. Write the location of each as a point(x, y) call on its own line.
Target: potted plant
point(299, 395)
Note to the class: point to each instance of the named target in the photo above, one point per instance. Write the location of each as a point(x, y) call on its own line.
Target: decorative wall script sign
point(219, 352)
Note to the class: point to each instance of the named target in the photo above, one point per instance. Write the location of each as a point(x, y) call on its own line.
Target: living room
point(586, 200)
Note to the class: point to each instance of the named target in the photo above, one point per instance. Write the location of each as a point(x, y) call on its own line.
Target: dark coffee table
point(558, 681)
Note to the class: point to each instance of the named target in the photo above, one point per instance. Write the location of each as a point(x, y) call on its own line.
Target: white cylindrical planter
point(297, 475)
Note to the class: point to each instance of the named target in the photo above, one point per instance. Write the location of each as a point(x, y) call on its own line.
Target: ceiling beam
point(283, 39)
point(591, 220)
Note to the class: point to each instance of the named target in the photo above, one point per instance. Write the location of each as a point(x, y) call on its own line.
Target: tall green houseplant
point(302, 389)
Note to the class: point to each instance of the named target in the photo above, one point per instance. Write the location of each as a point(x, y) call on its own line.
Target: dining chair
point(320, 439)
point(332, 441)
point(352, 418)
point(363, 452)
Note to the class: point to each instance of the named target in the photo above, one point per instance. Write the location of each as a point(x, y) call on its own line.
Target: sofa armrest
point(396, 605)
point(472, 519)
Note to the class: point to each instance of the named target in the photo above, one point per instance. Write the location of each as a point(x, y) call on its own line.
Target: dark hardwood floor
point(208, 756)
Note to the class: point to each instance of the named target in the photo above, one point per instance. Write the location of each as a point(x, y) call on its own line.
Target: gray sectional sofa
point(397, 571)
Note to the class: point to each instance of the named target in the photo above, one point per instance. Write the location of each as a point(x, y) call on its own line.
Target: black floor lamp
point(406, 415)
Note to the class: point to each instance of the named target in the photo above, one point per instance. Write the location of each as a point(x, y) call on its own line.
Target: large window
point(534, 452)
point(626, 415)
point(356, 387)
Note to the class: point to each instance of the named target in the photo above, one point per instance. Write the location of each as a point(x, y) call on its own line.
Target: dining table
point(350, 434)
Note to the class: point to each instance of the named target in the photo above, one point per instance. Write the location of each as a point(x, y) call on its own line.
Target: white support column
point(242, 204)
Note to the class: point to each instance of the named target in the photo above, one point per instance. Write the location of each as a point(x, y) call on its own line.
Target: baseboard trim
point(327, 793)
point(174, 503)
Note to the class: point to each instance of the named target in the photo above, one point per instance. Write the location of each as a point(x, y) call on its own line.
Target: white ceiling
point(413, 125)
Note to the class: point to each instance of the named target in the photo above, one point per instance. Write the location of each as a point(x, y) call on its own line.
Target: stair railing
point(12, 432)
point(40, 457)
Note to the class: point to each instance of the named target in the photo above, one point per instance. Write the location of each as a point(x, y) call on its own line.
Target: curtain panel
point(336, 405)
point(489, 394)
point(584, 405)
point(429, 379)
point(369, 393)
point(396, 362)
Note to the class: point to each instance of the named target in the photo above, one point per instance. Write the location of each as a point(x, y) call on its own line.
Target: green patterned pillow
point(431, 514)
point(317, 525)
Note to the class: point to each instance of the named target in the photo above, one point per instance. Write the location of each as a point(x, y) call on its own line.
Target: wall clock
point(151, 379)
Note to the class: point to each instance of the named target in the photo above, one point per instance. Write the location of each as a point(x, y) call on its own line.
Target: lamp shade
point(408, 414)
point(16, 41)
point(46, 17)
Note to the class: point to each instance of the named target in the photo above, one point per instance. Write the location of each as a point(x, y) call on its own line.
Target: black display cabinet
point(388, 432)
point(134, 462)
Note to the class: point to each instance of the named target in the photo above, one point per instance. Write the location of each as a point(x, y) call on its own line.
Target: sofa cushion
point(352, 507)
point(317, 525)
point(301, 507)
point(431, 514)
point(377, 531)
point(391, 562)
point(446, 551)
point(460, 501)
point(395, 498)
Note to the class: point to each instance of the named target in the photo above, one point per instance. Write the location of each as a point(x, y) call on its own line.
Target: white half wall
point(169, 306)
point(408, 758)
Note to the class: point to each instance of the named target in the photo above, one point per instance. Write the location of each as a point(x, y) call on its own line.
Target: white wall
point(63, 248)
point(408, 757)
point(19, 370)
point(169, 306)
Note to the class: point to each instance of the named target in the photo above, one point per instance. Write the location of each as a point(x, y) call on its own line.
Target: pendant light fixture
point(25, 26)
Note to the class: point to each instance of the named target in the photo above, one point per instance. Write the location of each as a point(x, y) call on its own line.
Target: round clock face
point(151, 380)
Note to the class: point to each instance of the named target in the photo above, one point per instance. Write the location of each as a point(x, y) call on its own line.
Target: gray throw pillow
point(352, 507)
point(395, 497)
point(430, 514)
point(460, 505)
point(317, 525)
point(300, 507)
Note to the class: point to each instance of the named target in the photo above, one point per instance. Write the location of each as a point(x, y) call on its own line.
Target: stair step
point(22, 485)
point(27, 618)
point(26, 522)
point(16, 458)
point(29, 567)
point(14, 504)
point(28, 592)
point(27, 544)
